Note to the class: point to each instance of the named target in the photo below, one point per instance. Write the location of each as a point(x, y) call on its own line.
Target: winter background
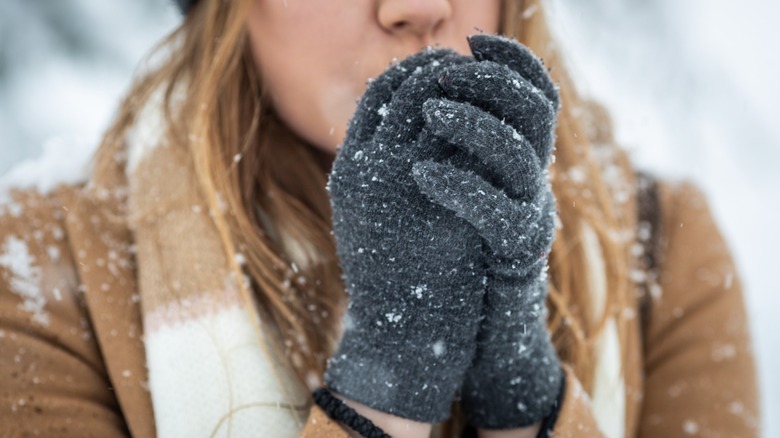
point(692, 87)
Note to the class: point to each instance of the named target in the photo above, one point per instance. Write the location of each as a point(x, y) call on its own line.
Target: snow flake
point(25, 277)
point(721, 352)
point(53, 252)
point(690, 427)
point(417, 291)
point(439, 347)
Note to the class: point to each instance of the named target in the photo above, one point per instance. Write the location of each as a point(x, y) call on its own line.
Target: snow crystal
point(439, 348)
point(721, 352)
point(530, 11)
point(674, 391)
point(383, 111)
point(690, 427)
point(25, 277)
point(393, 317)
point(53, 252)
point(736, 407)
point(728, 280)
point(417, 291)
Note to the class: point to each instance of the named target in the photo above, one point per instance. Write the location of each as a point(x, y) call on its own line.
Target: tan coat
point(72, 362)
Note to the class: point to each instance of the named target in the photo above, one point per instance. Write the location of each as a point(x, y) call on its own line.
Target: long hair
point(278, 214)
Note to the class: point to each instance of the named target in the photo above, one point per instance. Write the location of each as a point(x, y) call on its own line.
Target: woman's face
point(315, 56)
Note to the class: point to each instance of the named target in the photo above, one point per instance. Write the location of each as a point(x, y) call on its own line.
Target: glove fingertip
point(519, 57)
point(482, 44)
point(425, 172)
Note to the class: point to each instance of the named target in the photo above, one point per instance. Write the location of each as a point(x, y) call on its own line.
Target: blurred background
point(692, 86)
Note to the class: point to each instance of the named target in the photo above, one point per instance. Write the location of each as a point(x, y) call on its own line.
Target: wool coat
point(72, 357)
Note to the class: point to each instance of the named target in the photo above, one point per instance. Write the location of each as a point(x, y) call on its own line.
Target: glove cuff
point(509, 393)
point(395, 386)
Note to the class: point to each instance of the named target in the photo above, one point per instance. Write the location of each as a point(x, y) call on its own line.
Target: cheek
point(317, 107)
point(307, 57)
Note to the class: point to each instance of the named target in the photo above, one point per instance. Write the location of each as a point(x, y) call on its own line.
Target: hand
point(412, 269)
point(502, 111)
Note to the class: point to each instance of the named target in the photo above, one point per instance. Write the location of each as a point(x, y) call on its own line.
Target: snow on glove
point(502, 111)
point(412, 269)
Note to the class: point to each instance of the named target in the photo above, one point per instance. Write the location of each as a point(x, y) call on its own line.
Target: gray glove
point(502, 112)
point(412, 269)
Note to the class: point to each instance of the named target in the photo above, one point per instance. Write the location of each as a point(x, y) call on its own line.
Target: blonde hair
point(278, 213)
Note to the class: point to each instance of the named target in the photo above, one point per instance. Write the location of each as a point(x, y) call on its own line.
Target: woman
point(196, 284)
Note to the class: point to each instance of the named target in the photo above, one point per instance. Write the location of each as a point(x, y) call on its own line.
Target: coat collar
point(103, 250)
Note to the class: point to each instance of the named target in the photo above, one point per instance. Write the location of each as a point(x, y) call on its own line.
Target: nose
point(416, 18)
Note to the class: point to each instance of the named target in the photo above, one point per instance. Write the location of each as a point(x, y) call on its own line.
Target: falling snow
point(652, 123)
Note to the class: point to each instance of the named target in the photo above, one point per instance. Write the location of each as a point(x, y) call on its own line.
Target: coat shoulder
point(699, 366)
point(49, 357)
point(34, 242)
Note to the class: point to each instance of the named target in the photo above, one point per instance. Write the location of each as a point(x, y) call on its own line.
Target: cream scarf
point(209, 373)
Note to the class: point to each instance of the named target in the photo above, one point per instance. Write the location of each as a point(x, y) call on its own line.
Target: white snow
point(690, 427)
point(691, 86)
point(383, 110)
point(439, 347)
point(60, 162)
point(393, 317)
point(25, 278)
point(417, 291)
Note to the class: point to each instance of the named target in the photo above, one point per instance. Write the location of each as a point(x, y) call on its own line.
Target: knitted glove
point(503, 111)
point(412, 269)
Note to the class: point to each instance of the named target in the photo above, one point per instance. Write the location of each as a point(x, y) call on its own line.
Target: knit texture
point(506, 117)
point(412, 269)
point(441, 207)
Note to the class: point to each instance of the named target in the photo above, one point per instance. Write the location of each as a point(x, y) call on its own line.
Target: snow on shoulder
point(60, 162)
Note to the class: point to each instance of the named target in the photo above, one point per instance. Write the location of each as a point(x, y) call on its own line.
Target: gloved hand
point(412, 269)
point(502, 110)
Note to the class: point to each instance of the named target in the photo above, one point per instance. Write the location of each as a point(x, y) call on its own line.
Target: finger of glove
point(403, 120)
point(505, 94)
point(519, 58)
point(511, 160)
point(525, 270)
point(506, 225)
point(380, 90)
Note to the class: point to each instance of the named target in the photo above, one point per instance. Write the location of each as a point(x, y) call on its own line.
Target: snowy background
point(692, 87)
